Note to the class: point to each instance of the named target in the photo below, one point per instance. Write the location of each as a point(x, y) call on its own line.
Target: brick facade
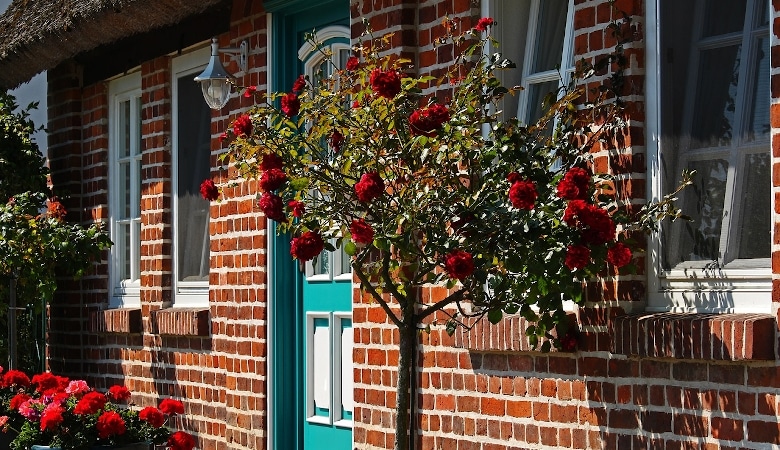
point(637, 381)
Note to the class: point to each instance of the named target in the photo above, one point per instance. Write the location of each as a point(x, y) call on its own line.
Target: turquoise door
point(312, 313)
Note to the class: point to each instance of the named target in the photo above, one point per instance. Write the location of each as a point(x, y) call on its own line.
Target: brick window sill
point(508, 335)
point(181, 322)
point(719, 337)
point(116, 320)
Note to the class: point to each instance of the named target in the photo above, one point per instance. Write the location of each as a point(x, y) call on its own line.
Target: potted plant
point(53, 412)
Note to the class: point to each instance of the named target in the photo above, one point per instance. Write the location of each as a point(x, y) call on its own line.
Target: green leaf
point(495, 316)
point(350, 248)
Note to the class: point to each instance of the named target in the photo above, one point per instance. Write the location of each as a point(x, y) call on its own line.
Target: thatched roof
point(37, 35)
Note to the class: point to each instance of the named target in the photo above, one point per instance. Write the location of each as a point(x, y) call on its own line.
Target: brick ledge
point(181, 321)
point(116, 320)
point(719, 337)
point(508, 335)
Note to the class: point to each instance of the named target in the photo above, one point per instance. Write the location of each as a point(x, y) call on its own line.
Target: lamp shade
point(215, 81)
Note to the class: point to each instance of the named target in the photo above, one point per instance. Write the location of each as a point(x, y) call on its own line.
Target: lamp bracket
point(240, 54)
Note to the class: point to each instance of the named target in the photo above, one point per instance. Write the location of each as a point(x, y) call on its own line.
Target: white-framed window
point(537, 35)
point(191, 129)
point(708, 110)
point(124, 118)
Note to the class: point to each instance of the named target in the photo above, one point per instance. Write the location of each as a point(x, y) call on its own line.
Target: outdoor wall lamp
point(215, 81)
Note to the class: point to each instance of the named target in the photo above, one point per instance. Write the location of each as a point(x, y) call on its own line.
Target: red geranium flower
point(299, 83)
point(181, 441)
point(15, 378)
point(152, 416)
point(209, 190)
point(272, 179)
point(291, 105)
point(574, 185)
point(55, 209)
point(90, 403)
point(459, 264)
point(52, 417)
point(426, 121)
point(110, 423)
point(306, 246)
point(242, 126)
point(171, 406)
point(47, 383)
point(484, 23)
point(523, 194)
point(577, 257)
point(272, 207)
point(17, 400)
point(353, 63)
point(619, 255)
point(385, 83)
point(298, 208)
point(119, 393)
point(369, 187)
point(271, 161)
point(362, 233)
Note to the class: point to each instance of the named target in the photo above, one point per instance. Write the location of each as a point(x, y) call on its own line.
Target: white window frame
point(124, 293)
point(192, 294)
point(691, 288)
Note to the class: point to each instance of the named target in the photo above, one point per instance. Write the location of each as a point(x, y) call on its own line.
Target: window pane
point(713, 116)
point(703, 202)
point(758, 127)
point(551, 29)
point(322, 264)
point(723, 16)
point(124, 129)
point(124, 236)
point(193, 160)
point(755, 237)
point(536, 94)
point(125, 190)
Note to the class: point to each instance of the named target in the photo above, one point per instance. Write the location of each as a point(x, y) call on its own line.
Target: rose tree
point(419, 190)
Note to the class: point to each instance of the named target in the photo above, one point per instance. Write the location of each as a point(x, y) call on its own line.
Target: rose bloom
point(250, 91)
point(353, 63)
point(569, 342)
point(52, 417)
point(77, 387)
point(15, 378)
point(369, 187)
point(484, 23)
point(459, 264)
point(577, 257)
point(306, 246)
point(600, 227)
point(110, 423)
point(181, 441)
point(385, 83)
point(523, 194)
point(272, 179)
point(119, 393)
point(299, 83)
point(152, 416)
point(171, 406)
point(271, 161)
point(242, 126)
point(426, 121)
point(574, 185)
point(291, 105)
point(362, 233)
point(336, 140)
point(90, 403)
point(272, 206)
point(209, 190)
point(298, 208)
point(619, 255)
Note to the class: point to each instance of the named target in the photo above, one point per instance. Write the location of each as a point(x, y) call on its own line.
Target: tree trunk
point(408, 340)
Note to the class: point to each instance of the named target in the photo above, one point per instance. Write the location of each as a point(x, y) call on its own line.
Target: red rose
point(336, 140)
point(523, 194)
point(152, 416)
point(250, 91)
point(271, 161)
point(299, 84)
point(272, 179)
point(426, 121)
point(291, 105)
point(385, 83)
point(17, 400)
point(574, 185)
point(297, 208)
point(209, 190)
point(52, 417)
point(569, 342)
point(90, 403)
point(181, 441)
point(242, 126)
point(272, 207)
point(110, 423)
point(222, 137)
point(353, 63)
point(513, 177)
point(484, 23)
point(362, 233)
point(171, 406)
point(459, 264)
point(306, 246)
point(600, 227)
point(369, 187)
point(577, 257)
point(119, 393)
point(15, 378)
point(619, 255)
point(573, 211)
